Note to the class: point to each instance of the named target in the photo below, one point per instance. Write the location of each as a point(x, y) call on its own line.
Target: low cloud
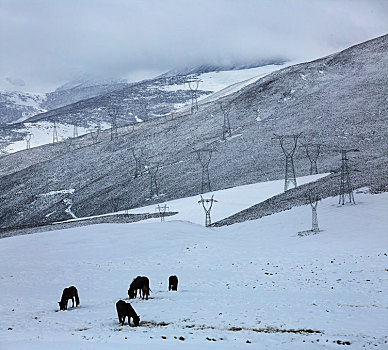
point(46, 43)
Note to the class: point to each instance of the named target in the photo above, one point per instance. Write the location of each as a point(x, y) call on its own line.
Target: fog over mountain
point(48, 43)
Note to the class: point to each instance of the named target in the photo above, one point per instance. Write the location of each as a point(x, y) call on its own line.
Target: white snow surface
point(53, 193)
point(224, 83)
point(255, 281)
point(42, 134)
point(229, 201)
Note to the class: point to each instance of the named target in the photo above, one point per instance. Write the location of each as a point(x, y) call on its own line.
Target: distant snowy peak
point(15, 81)
point(207, 68)
point(17, 106)
point(87, 83)
point(79, 90)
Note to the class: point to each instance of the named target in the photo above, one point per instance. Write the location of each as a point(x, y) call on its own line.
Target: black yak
point(143, 284)
point(173, 283)
point(69, 293)
point(125, 309)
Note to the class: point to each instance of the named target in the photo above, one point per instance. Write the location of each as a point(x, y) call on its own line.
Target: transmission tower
point(204, 156)
point(75, 130)
point(346, 189)
point(28, 140)
point(193, 86)
point(115, 204)
point(145, 109)
point(154, 188)
point(162, 211)
point(138, 163)
point(313, 199)
point(95, 133)
point(312, 151)
point(207, 205)
point(68, 141)
point(55, 132)
point(226, 130)
point(113, 131)
point(289, 177)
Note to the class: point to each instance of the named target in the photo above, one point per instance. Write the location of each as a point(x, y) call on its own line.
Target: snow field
point(42, 134)
point(230, 201)
point(256, 281)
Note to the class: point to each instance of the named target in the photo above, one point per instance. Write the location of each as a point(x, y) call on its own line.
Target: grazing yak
point(173, 283)
point(69, 293)
point(126, 310)
point(142, 284)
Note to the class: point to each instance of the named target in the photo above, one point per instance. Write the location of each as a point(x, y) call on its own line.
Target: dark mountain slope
point(340, 101)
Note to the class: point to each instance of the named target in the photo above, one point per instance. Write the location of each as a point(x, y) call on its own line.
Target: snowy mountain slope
point(42, 134)
point(224, 83)
point(75, 91)
point(161, 95)
point(324, 99)
point(210, 68)
point(255, 284)
point(16, 106)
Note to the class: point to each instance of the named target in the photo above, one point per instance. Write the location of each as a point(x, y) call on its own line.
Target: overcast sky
point(45, 43)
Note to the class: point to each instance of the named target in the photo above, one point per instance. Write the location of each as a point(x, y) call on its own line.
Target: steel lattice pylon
point(207, 205)
point(313, 199)
point(312, 151)
point(75, 130)
point(94, 135)
point(226, 130)
point(55, 132)
point(68, 141)
point(193, 86)
point(204, 156)
point(289, 177)
point(154, 188)
point(138, 163)
point(28, 140)
point(346, 188)
point(113, 131)
point(162, 211)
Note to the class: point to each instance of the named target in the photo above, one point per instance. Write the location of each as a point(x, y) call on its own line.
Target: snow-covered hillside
point(229, 201)
point(42, 134)
point(17, 106)
point(224, 83)
point(256, 284)
point(217, 84)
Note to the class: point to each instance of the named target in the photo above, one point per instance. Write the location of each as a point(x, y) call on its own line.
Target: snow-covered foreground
point(255, 284)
